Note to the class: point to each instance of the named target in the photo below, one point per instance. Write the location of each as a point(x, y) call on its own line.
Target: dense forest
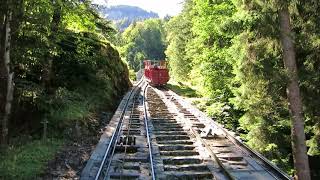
point(53, 55)
point(254, 65)
point(236, 50)
point(143, 40)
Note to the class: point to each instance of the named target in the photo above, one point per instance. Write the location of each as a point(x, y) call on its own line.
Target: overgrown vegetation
point(182, 89)
point(143, 40)
point(66, 72)
point(27, 161)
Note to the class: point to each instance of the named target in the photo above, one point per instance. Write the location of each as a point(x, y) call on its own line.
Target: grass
point(182, 89)
point(27, 161)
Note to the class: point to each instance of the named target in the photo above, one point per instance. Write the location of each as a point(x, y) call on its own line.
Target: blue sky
point(162, 7)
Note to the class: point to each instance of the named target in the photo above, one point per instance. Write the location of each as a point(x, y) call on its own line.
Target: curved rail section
point(236, 159)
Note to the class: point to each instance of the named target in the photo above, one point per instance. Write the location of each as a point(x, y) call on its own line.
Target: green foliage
point(224, 113)
point(182, 90)
point(143, 40)
point(306, 23)
point(132, 74)
point(27, 161)
point(68, 106)
point(178, 35)
point(230, 51)
point(83, 62)
point(66, 71)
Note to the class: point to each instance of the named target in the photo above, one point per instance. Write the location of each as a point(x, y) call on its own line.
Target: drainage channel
point(177, 152)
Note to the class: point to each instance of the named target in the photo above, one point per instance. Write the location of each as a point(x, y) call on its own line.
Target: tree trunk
point(47, 68)
point(6, 87)
point(299, 148)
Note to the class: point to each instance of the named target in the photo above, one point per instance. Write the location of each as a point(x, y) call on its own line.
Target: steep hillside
point(124, 15)
point(61, 78)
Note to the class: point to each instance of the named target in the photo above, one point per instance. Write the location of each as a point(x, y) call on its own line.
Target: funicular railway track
point(234, 159)
point(128, 154)
point(179, 156)
point(159, 136)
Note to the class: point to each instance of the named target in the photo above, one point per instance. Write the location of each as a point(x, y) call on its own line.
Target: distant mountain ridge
point(123, 15)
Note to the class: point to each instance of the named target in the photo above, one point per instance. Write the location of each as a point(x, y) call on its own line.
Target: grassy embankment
point(28, 160)
point(182, 89)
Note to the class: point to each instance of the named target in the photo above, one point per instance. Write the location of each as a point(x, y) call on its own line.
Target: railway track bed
point(155, 134)
point(180, 154)
point(236, 159)
point(122, 152)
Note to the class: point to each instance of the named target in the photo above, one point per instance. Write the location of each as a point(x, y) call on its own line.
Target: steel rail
point(127, 139)
point(213, 156)
point(114, 147)
point(147, 131)
point(115, 143)
point(275, 170)
point(281, 174)
point(116, 132)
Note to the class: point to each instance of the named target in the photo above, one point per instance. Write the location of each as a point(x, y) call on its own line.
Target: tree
point(143, 39)
point(48, 64)
point(299, 148)
point(54, 27)
point(178, 34)
point(6, 74)
point(53, 46)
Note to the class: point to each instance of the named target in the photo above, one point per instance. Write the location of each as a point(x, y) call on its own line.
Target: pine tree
point(299, 148)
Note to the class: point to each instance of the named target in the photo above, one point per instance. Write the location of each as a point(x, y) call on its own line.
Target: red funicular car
point(156, 72)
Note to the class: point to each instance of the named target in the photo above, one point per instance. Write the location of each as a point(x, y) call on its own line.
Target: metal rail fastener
point(115, 133)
